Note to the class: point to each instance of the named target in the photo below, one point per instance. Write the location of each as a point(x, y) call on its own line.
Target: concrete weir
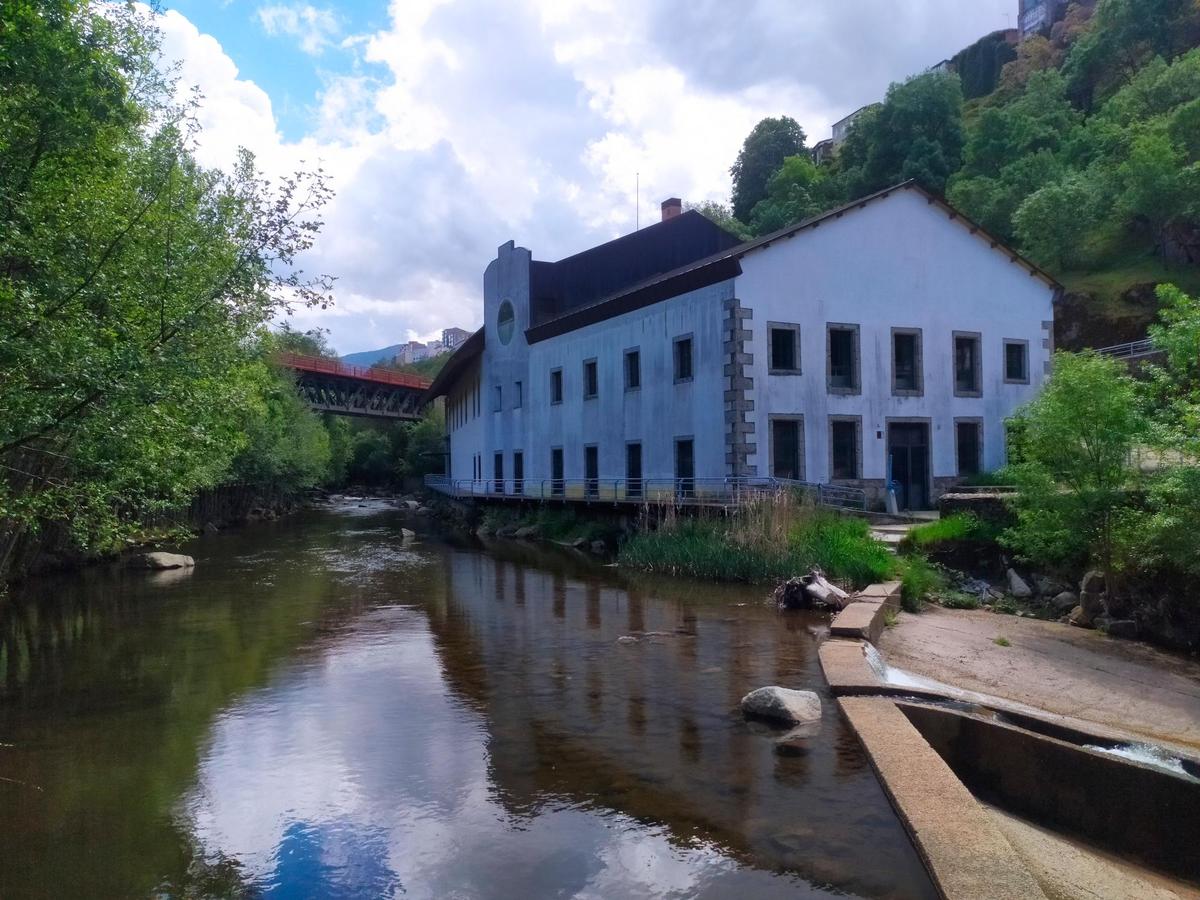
point(1003, 803)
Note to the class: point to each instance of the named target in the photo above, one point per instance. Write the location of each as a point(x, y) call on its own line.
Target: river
point(319, 710)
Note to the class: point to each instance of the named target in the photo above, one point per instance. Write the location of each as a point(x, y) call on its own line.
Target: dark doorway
point(591, 470)
point(685, 467)
point(908, 448)
point(785, 449)
point(633, 471)
point(498, 473)
point(518, 472)
point(556, 472)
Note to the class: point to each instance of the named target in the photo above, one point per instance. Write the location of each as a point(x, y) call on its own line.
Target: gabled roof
point(459, 360)
point(727, 264)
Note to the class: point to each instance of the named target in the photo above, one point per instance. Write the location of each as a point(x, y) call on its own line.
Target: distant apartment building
point(841, 129)
point(1039, 16)
point(452, 337)
point(886, 341)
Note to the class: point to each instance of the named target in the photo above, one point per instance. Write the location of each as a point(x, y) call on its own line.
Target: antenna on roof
point(637, 203)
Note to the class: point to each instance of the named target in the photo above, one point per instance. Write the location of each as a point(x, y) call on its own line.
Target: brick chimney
point(672, 208)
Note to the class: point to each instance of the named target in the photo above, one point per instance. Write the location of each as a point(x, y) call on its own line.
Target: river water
point(321, 710)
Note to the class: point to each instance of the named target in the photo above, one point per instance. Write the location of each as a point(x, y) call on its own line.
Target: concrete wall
point(897, 263)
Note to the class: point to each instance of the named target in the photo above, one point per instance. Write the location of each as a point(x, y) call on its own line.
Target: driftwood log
point(811, 591)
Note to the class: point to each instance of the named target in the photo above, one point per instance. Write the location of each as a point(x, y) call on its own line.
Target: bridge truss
point(328, 385)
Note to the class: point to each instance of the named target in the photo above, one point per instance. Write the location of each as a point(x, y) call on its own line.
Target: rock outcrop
point(781, 705)
point(159, 561)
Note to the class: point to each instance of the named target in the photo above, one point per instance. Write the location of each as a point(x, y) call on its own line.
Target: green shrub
point(918, 579)
point(957, 527)
point(959, 600)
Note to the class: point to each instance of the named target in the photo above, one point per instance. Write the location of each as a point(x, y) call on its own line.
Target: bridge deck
point(332, 386)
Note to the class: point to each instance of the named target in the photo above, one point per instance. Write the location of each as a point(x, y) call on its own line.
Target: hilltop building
point(452, 337)
point(890, 338)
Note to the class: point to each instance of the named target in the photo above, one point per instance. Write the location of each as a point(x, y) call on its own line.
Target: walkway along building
point(889, 338)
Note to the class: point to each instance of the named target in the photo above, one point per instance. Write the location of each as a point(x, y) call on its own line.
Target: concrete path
point(1123, 686)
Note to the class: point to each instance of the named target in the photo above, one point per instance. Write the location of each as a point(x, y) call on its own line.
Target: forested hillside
point(1083, 152)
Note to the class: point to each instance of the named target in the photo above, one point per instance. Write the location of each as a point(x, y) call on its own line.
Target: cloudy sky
point(452, 126)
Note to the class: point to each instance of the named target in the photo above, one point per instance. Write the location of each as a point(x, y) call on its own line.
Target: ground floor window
point(591, 470)
point(498, 473)
point(633, 471)
point(685, 467)
point(967, 435)
point(843, 439)
point(787, 449)
point(556, 472)
point(518, 472)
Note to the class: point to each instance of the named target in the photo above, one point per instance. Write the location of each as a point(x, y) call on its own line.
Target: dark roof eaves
point(467, 351)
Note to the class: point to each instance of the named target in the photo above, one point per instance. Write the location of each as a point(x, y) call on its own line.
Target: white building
point(891, 337)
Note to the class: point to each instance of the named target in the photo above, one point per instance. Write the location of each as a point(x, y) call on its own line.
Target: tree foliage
point(134, 283)
point(763, 152)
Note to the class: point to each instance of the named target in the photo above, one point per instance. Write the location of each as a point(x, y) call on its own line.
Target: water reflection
point(326, 712)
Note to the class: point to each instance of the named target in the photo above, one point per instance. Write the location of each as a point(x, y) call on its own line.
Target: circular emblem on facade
point(506, 322)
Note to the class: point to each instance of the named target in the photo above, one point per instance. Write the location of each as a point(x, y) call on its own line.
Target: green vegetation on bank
point(768, 541)
point(1083, 151)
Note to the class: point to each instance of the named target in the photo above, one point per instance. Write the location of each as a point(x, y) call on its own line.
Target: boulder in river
point(787, 707)
point(158, 560)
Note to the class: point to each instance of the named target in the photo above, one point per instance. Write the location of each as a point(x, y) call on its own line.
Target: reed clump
point(768, 540)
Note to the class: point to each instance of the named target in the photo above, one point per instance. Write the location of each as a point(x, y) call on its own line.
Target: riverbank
point(1121, 685)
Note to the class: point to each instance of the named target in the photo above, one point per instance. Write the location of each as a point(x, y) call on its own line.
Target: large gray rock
point(782, 705)
point(159, 561)
point(526, 533)
point(1017, 586)
point(1093, 583)
point(1092, 604)
point(1065, 602)
point(410, 504)
point(1080, 618)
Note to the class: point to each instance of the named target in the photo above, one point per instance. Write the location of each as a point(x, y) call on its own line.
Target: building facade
point(888, 341)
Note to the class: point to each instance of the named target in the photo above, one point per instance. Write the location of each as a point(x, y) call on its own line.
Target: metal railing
point(1132, 350)
point(669, 491)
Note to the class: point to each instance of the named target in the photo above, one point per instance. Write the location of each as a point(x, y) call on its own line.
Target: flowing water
point(321, 710)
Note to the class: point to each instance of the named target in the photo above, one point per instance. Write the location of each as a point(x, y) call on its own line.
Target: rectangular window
point(787, 449)
point(843, 436)
point(591, 471)
point(518, 394)
point(1016, 362)
point(498, 473)
point(498, 399)
point(633, 370)
point(784, 349)
point(906, 362)
point(518, 471)
point(556, 386)
point(685, 467)
point(556, 472)
point(843, 359)
point(967, 365)
point(591, 385)
point(967, 439)
point(683, 359)
point(633, 471)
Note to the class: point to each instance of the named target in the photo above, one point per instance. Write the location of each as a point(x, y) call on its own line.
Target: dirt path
point(1122, 685)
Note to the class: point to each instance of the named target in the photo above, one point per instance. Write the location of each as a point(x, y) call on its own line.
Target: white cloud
point(314, 29)
point(465, 123)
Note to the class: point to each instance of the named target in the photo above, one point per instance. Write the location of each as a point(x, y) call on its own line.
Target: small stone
point(1017, 586)
point(159, 561)
point(1065, 602)
point(782, 705)
point(407, 534)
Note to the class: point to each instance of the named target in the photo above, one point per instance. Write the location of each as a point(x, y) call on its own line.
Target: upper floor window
point(518, 394)
point(633, 369)
point(784, 349)
point(591, 381)
point(842, 373)
point(556, 386)
point(498, 400)
point(968, 366)
point(683, 358)
point(1016, 362)
point(906, 361)
point(506, 322)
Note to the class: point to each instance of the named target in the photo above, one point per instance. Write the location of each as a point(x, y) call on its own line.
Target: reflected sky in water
point(325, 711)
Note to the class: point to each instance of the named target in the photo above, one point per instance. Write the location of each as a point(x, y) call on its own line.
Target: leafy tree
point(1054, 220)
point(722, 215)
point(792, 195)
point(1033, 55)
point(1074, 474)
point(425, 453)
point(1157, 187)
point(980, 65)
point(1174, 387)
point(917, 134)
point(287, 444)
point(133, 282)
point(314, 342)
point(763, 152)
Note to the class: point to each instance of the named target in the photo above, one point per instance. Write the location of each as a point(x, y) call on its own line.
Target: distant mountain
point(370, 357)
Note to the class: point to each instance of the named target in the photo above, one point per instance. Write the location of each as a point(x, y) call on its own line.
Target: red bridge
point(332, 386)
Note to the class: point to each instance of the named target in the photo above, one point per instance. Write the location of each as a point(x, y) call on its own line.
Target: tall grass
point(765, 541)
point(957, 527)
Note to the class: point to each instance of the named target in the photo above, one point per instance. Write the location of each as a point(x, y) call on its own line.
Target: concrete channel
point(1003, 803)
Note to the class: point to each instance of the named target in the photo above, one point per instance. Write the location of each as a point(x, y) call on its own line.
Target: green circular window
point(506, 322)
